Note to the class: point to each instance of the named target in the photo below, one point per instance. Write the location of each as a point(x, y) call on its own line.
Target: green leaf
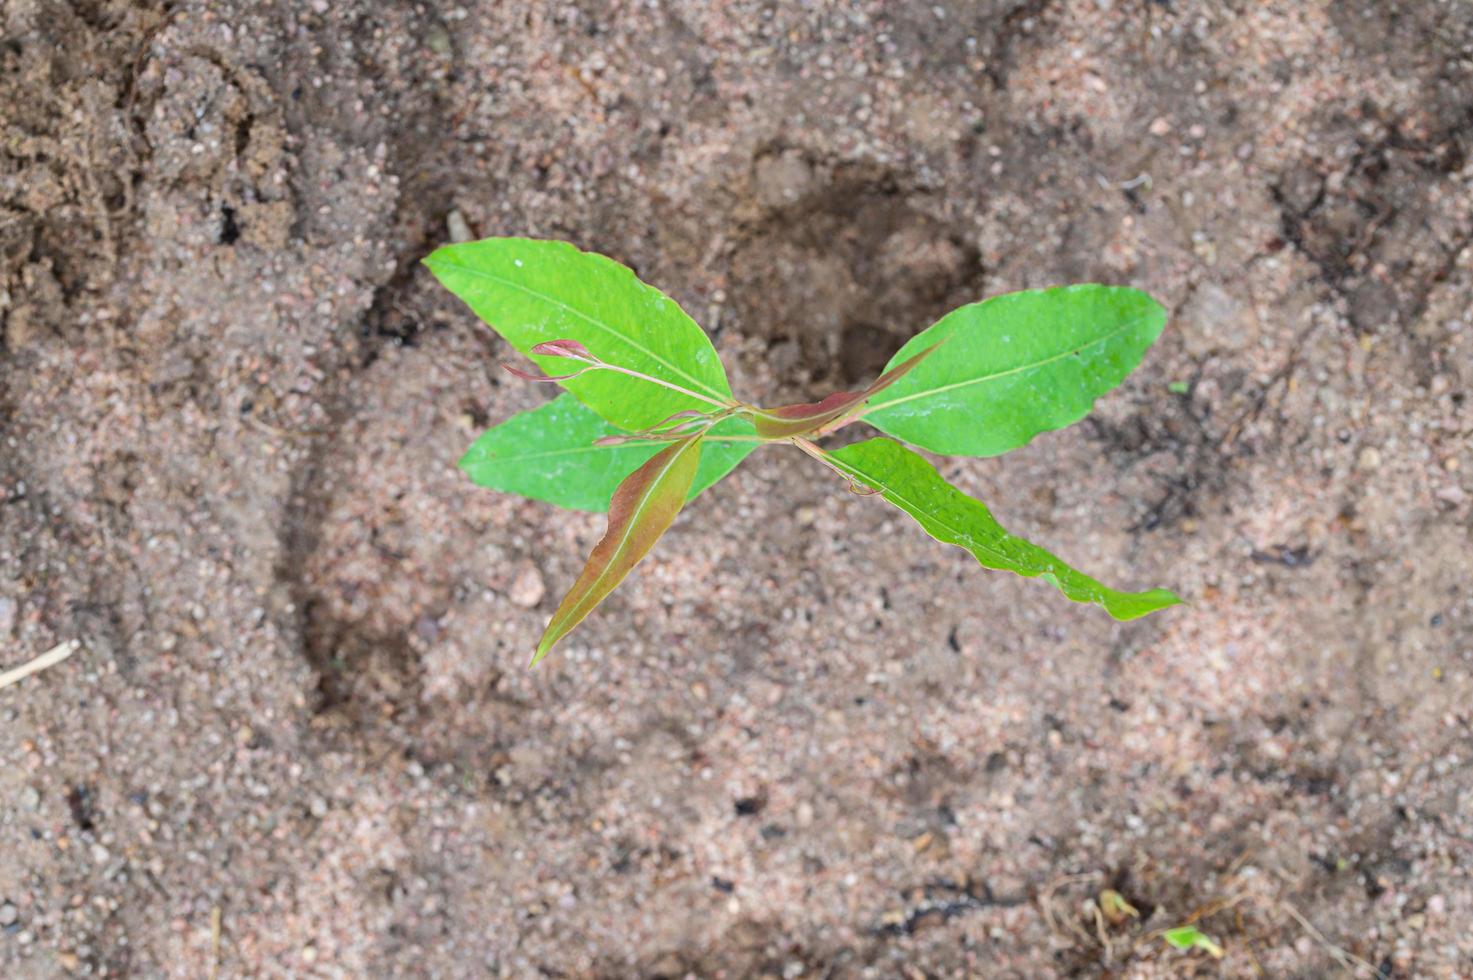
point(548, 454)
point(643, 508)
point(909, 482)
point(533, 291)
point(1190, 937)
point(814, 417)
point(1015, 366)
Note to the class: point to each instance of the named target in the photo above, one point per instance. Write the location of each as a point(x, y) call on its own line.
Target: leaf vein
point(629, 529)
point(592, 321)
point(928, 392)
point(1013, 563)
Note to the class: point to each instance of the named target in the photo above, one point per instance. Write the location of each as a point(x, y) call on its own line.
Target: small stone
point(458, 227)
point(7, 614)
point(805, 814)
point(1216, 318)
point(783, 178)
point(30, 798)
point(805, 516)
point(1451, 494)
point(8, 914)
point(527, 589)
point(427, 628)
point(1370, 459)
point(1160, 126)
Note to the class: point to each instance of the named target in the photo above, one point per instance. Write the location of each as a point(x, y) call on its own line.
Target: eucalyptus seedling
point(648, 419)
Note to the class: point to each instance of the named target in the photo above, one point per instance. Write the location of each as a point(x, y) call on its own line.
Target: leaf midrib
point(649, 495)
point(929, 392)
point(959, 532)
point(596, 449)
point(597, 323)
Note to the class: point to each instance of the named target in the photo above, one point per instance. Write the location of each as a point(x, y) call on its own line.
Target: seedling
point(648, 419)
point(1115, 908)
point(1190, 938)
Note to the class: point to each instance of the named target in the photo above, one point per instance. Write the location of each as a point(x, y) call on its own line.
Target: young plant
point(1191, 938)
point(648, 419)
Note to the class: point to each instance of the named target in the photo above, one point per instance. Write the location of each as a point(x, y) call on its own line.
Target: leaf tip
point(1141, 604)
point(436, 259)
point(544, 647)
point(1166, 598)
point(467, 460)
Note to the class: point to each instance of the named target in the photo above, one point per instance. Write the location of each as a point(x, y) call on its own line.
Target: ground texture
point(804, 740)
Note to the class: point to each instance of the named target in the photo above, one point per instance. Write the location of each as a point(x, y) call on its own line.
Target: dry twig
point(50, 658)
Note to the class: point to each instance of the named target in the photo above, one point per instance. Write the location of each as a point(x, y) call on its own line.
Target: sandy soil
point(804, 740)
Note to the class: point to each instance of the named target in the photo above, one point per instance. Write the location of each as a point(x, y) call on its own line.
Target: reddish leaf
point(643, 507)
point(662, 431)
point(563, 348)
point(810, 418)
point(684, 418)
point(558, 348)
point(539, 378)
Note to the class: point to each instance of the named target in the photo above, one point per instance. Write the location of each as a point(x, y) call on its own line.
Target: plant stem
point(812, 449)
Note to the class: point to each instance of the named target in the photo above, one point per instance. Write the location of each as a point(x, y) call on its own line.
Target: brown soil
point(803, 740)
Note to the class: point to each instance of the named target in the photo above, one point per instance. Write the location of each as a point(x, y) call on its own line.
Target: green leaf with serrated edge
point(911, 483)
point(643, 507)
point(811, 417)
point(1016, 365)
point(532, 291)
point(548, 454)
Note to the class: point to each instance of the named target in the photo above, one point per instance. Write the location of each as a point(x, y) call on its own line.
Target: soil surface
point(804, 740)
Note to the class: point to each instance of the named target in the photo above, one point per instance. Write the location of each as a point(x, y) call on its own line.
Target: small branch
point(1353, 964)
point(50, 658)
